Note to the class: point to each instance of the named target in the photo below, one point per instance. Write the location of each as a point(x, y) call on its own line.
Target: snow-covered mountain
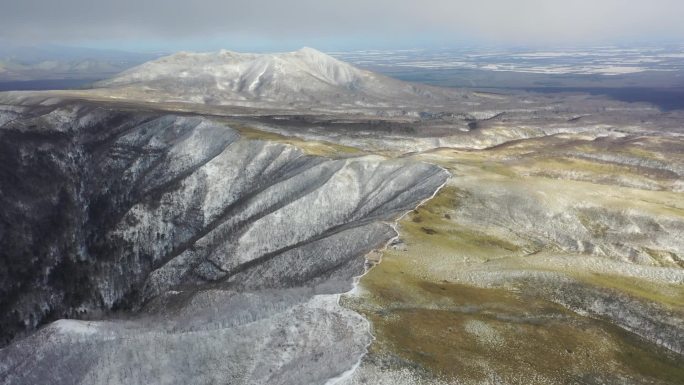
point(304, 76)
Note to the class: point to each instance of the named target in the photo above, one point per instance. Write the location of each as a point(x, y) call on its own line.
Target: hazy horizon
point(267, 25)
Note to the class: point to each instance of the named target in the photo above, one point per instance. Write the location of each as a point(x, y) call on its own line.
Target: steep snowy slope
point(232, 249)
point(306, 76)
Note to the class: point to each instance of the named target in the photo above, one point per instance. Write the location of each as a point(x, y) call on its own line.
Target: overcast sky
point(283, 24)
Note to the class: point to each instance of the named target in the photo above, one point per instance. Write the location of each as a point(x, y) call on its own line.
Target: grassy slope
point(424, 319)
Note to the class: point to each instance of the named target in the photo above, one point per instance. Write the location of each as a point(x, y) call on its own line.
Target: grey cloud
point(535, 21)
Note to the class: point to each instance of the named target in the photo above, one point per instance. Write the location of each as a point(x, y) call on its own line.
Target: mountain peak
point(246, 75)
point(314, 55)
point(304, 76)
point(227, 52)
point(311, 51)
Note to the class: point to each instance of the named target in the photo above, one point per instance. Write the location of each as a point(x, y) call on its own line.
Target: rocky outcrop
point(229, 246)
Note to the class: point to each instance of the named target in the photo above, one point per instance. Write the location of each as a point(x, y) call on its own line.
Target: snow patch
point(67, 326)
